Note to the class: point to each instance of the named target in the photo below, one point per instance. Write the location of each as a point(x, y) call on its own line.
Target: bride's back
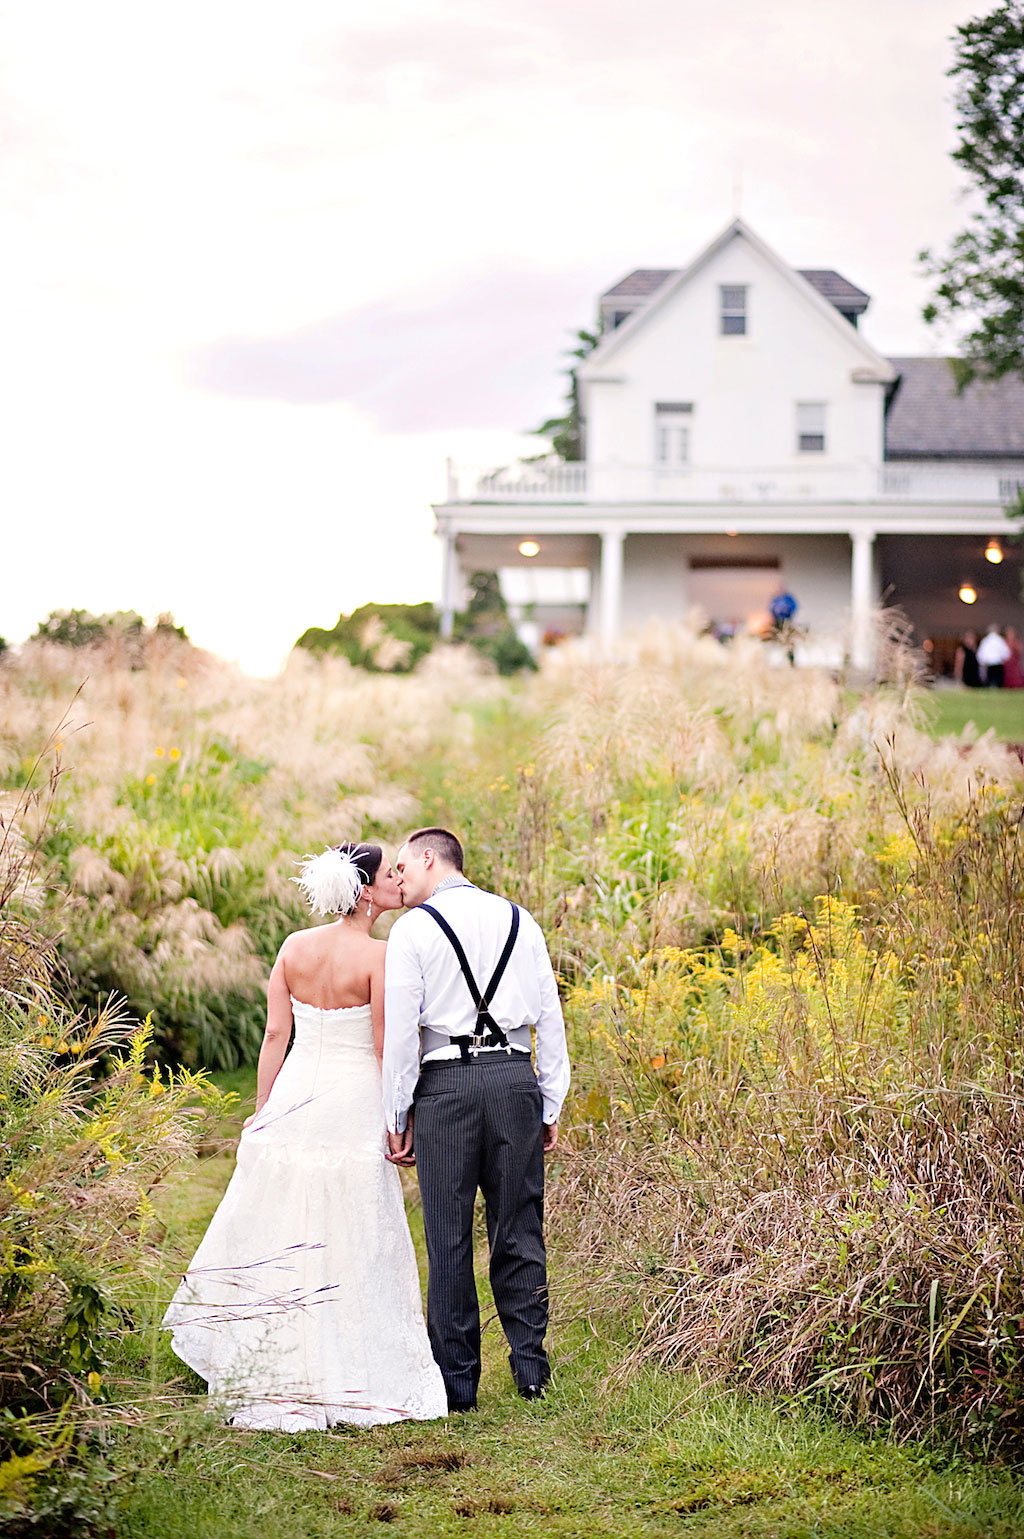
point(330, 967)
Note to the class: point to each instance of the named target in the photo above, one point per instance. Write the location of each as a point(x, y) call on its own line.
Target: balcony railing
point(550, 481)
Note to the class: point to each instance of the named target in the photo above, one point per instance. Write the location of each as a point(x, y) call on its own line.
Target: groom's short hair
point(441, 840)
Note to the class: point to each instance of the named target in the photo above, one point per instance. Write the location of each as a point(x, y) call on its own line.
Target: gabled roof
point(640, 284)
point(928, 420)
point(612, 342)
point(839, 291)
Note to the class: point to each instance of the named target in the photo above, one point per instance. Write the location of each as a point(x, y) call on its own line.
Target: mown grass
point(1001, 711)
point(659, 1456)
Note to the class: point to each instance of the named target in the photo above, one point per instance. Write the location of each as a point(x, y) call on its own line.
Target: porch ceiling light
point(968, 595)
point(994, 552)
point(531, 548)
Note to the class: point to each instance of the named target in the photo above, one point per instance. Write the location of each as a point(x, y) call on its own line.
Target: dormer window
point(672, 432)
point(734, 309)
point(810, 427)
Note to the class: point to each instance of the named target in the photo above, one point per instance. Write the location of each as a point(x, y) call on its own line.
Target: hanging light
point(968, 595)
point(994, 552)
point(529, 548)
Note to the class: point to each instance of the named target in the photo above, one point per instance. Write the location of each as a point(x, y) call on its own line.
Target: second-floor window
point(733, 309)
point(672, 432)
point(810, 427)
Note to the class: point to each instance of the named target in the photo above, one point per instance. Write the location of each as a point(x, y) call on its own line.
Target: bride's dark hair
point(366, 858)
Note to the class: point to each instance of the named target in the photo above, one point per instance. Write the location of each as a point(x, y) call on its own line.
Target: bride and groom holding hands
point(301, 1307)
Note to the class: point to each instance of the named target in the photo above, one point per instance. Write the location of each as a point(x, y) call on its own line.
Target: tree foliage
point(485, 624)
point(981, 278)
point(566, 431)
point(81, 628)
point(384, 638)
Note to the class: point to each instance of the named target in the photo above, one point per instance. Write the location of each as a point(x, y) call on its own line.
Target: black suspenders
point(488, 1032)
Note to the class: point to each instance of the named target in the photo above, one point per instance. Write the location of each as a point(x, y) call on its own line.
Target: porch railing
point(553, 481)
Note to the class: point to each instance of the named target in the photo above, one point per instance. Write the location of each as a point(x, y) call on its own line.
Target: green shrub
point(384, 638)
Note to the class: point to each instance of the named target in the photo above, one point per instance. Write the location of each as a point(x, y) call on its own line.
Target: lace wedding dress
point(301, 1307)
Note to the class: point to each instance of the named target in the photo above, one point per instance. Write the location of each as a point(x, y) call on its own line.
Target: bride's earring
point(369, 908)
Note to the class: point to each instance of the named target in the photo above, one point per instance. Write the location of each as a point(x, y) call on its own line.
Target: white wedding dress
point(301, 1307)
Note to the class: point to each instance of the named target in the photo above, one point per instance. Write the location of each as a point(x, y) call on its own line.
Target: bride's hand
point(400, 1151)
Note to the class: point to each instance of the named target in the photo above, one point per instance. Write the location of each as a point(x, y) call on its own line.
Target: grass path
point(949, 711)
point(662, 1457)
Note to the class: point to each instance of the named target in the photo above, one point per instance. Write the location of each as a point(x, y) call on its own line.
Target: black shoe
point(531, 1391)
point(460, 1407)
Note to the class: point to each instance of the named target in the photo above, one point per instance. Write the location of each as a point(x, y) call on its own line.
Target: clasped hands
point(400, 1145)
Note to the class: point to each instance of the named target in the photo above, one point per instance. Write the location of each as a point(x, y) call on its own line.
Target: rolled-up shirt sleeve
point(403, 1002)
point(552, 1052)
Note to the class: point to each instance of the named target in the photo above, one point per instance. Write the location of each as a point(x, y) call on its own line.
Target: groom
point(467, 974)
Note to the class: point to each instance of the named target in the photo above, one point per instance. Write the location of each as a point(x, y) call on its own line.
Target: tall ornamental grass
point(87, 1131)
point(190, 792)
point(799, 1150)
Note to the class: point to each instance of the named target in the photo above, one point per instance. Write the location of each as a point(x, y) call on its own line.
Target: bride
point(301, 1307)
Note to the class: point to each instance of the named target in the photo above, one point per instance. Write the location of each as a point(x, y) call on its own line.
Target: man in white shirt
point(467, 975)
point(992, 655)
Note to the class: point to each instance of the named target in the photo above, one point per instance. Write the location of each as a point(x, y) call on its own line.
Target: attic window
point(810, 427)
point(734, 309)
point(618, 316)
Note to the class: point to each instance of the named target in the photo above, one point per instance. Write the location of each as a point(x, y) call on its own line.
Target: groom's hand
point(550, 1136)
point(400, 1150)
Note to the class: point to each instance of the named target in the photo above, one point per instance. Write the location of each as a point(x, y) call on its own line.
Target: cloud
point(483, 355)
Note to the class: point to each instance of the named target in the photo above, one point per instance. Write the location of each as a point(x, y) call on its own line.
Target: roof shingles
point(928, 420)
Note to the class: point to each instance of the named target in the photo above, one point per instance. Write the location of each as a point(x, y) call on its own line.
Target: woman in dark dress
point(965, 667)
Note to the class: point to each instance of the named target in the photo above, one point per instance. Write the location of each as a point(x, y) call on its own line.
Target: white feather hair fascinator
point(330, 883)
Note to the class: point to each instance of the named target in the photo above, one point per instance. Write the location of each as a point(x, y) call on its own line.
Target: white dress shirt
point(992, 650)
point(424, 986)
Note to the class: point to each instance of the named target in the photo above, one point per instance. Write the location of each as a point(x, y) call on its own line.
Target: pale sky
point(267, 264)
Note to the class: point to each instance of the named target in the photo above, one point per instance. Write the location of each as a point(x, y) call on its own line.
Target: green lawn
point(659, 1457)
point(950, 710)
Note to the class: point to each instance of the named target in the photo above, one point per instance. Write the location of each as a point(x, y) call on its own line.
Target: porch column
point(862, 598)
point(611, 583)
point(448, 565)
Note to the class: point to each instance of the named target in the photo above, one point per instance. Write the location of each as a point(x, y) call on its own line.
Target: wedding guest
point(992, 655)
point(965, 664)
point(1013, 668)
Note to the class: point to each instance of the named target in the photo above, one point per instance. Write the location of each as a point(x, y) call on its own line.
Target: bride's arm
point(377, 998)
point(277, 1034)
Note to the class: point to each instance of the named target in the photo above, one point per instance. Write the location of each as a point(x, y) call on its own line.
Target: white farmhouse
point(741, 438)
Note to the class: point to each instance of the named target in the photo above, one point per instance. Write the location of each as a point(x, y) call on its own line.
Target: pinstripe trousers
point(479, 1125)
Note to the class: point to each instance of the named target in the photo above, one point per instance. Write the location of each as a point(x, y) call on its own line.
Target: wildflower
point(186, 790)
point(151, 780)
point(62, 1047)
point(175, 753)
point(159, 753)
point(94, 1380)
point(182, 683)
point(46, 1041)
point(41, 1019)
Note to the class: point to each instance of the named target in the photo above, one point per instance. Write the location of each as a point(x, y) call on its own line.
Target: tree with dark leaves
point(981, 278)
